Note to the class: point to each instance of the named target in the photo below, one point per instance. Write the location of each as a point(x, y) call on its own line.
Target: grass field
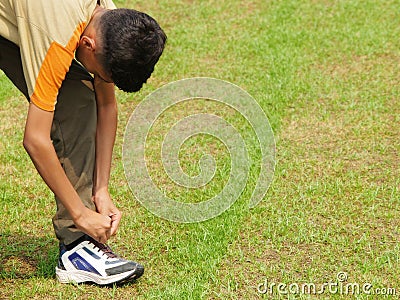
point(327, 75)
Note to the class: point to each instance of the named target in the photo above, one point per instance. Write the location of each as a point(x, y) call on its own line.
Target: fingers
point(102, 230)
point(104, 236)
point(102, 240)
point(107, 229)
point(99, 226)
point(115, 219)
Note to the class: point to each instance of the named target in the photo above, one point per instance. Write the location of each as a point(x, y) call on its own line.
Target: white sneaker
point(87, 260)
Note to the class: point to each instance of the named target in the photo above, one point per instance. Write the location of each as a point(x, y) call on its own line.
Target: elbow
point(34, 144)
point(26, 143)
point(29, 144)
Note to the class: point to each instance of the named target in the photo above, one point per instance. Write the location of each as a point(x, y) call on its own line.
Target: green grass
point(326, 73)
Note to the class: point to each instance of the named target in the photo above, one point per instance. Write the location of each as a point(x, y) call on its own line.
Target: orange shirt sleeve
point(53, 70)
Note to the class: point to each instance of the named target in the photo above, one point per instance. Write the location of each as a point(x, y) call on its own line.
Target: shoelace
point(104, 249)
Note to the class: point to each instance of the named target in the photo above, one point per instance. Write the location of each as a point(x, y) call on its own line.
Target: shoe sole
point(78, 276)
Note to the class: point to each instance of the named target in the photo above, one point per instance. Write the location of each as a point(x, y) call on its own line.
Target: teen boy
point(65, 57)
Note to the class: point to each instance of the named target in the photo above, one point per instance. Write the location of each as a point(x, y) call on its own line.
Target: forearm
point(38, 144)
point(105, 133)
point(105, 139)
point(43, 155)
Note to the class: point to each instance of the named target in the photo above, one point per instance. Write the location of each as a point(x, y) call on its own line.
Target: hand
point(94, 224)
point(106, 207)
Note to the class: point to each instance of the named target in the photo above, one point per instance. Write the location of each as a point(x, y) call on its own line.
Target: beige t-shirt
point(48, 33)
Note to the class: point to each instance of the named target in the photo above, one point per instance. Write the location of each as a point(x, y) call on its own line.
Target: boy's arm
point(38, 144)
point(105, 139)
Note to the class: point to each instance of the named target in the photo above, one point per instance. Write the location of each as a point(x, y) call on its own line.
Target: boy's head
point(124, 44)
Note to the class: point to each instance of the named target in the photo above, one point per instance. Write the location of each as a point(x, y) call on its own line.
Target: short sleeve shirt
point(48, 33)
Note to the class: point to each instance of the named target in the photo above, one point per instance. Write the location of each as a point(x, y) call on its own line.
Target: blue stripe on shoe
point(88, 251)
point(81, 264)
point(91, 253)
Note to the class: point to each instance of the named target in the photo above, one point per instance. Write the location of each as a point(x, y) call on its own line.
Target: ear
point(87, 43)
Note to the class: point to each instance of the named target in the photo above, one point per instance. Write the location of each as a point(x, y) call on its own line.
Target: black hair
point(132, 44)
